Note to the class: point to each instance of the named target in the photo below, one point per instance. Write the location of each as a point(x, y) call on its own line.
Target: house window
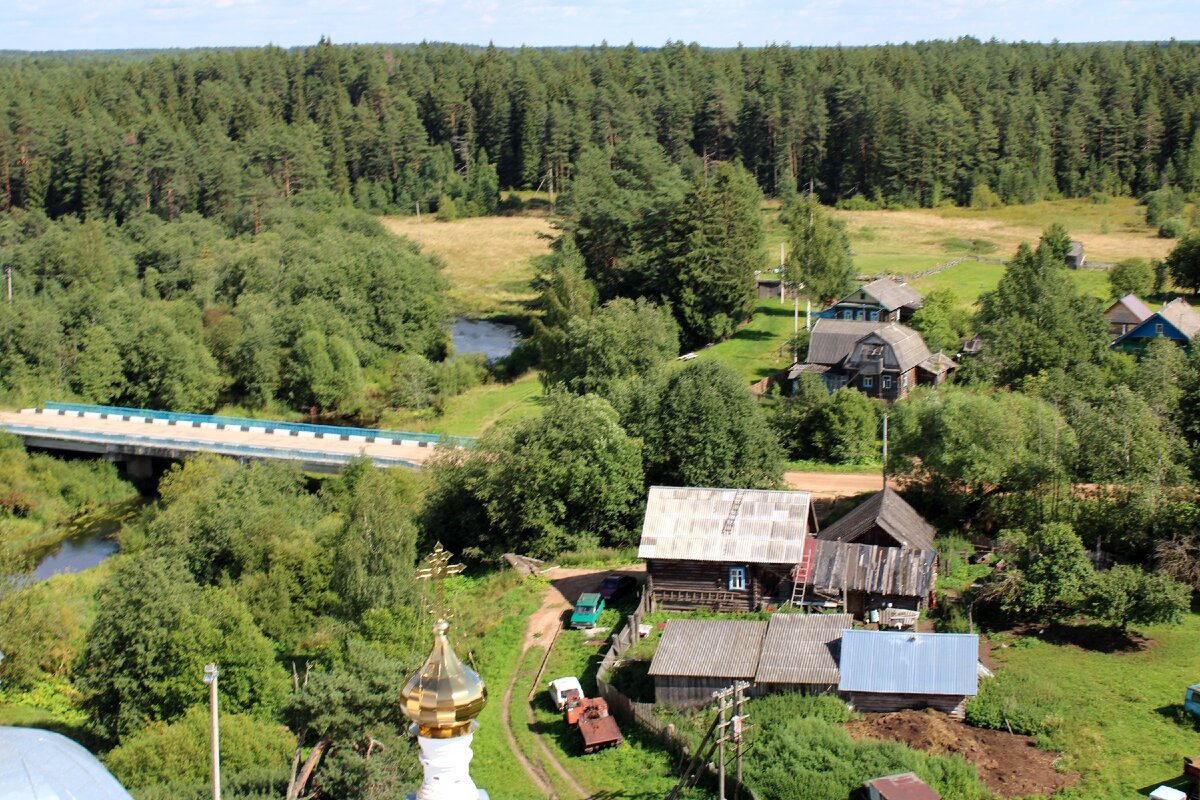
point(868, 382)
point(874, 316)
point(737, 579)
point(887, 381)
point(858, 314)
point(904, 381)
point(1158, 329)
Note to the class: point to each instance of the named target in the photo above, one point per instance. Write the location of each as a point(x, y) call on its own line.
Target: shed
point(1126, 314)
point(1075, 258)
point(800, 653)
point(905, 786)
point(890, 671)
point(867, 576)
point(698, 657)
point(884, 519)
point(725, 549)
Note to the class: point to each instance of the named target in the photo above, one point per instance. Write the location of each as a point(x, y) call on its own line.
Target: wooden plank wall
point(954, 705)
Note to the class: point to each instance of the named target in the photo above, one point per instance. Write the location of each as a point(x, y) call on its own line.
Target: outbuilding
point(905, 786)
point(800, 653)
point(890, 671)
point(884, 519)
point(697, 657)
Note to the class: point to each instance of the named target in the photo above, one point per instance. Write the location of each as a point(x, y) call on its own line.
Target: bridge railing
point(332, 431)
point(194, 445)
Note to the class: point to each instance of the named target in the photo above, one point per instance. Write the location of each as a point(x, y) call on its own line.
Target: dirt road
point(832, 485)
point(565, 587)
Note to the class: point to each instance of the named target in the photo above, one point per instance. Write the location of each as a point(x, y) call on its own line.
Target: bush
point(447, 211)
point(1005, 702)
point(857, 203)
point(1173, 228)
point(1131, 276)
point(1099, 199)
point(179, 751)
point(982, 197)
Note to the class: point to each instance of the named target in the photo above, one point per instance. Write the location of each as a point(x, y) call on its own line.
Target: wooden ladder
point(731, 520)
point(800, 575)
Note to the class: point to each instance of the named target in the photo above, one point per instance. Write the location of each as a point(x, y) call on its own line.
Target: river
point(91, 538)
point(494, 339)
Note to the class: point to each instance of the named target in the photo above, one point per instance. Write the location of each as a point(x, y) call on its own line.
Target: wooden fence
point(631, 712)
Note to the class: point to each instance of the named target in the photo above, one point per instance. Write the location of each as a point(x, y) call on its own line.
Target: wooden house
point(885, 519)
point(881, 300)
point(890, 671)
point(697, 657)
point(1176, 321)
point(905, 786)
point(722, 549)
point(1126, 314)
point(880, 359)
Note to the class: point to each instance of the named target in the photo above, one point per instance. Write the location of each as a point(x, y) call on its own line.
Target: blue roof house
point(894, 670)
point(1176, 321)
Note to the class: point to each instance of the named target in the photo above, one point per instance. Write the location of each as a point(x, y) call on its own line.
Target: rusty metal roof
point(890, 512)
point(905, 786)
point(802, 648)
point(868, 568)
point(709, 648)
point(895, 662)
point(754, 526)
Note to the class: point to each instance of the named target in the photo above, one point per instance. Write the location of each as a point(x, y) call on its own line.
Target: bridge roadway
point(128, 436)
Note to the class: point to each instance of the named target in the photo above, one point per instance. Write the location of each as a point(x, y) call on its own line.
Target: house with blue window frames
point(882, 300)
point(1176, 321)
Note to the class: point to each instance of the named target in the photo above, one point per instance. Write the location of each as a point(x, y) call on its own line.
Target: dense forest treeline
point(222, 132)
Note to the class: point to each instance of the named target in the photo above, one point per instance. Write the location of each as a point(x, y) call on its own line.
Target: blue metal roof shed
point(902, 663)
point(43, 765)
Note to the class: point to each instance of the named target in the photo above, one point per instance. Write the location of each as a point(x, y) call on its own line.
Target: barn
point(723, 549)
point(890, 671)
point(884, 519)
point(800, 653)
point(697, 657)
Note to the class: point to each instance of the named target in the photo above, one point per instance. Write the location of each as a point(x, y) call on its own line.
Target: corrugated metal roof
point(754, 526)
point(42, 765)
point(905, 786)
point(892, 662)
point(892, 294)
point(802, 648)
point(869, 568)
point(1185, 318)
point(1136, 310)
point(709, 648)
point(832, 340)
point(889, 511)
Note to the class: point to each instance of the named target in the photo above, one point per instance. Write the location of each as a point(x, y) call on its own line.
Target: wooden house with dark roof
point(1126, 314)
point(722, 549)
point(1176, 321)
point(882, 300)
point(860, 578)
point(880, 359)
point(884, 519)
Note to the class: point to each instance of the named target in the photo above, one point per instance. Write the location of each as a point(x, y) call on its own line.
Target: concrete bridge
point(139, 436)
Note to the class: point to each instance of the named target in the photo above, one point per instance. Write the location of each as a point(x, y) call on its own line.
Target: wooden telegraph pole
point(725, 729)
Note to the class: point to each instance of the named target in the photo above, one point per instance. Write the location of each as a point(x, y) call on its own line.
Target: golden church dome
point(444, 696)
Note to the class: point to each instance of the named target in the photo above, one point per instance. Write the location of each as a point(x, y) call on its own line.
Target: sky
point(117, 24)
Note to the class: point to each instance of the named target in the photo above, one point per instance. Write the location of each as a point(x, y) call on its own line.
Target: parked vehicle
point(565, 692)
point(598, 730)
point(616, 585)
point(573, 713)
point(1191, 700)
point(587, 611)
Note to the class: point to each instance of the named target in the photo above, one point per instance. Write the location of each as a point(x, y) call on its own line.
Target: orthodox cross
point(436, 568)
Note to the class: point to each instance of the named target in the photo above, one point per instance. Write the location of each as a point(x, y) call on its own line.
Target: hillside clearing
point(489, 261)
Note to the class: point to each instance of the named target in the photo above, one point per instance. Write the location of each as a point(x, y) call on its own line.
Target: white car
point(564, 691)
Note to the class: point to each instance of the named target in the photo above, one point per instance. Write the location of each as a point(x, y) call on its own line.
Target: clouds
point(95, 24)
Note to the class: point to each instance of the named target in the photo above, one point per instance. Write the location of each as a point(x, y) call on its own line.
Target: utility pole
point(418, 205)
point(885, 435)
point(210, 677)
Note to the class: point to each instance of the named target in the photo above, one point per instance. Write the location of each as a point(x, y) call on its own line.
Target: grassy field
point(1119, 714)
point(489, 260)
point(476, 410)
point(754, 351)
